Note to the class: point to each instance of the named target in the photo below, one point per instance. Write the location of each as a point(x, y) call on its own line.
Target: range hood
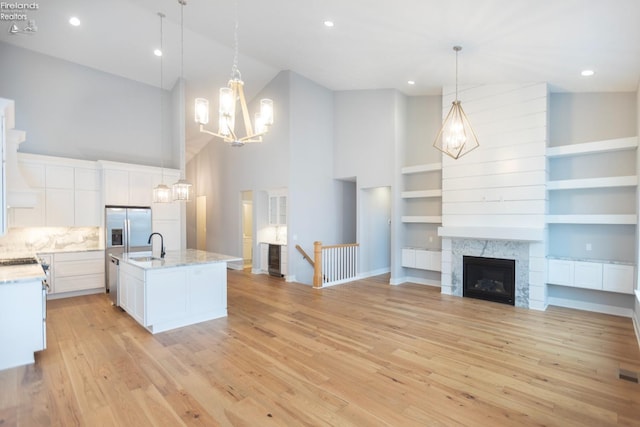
point(19, 193)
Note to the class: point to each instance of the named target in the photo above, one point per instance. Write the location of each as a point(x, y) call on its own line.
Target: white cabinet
point(161, 299)
point(116, 187)
point(587, 275)
point(277, 207)
point(264, 257)
point(283, 260)
point(22, 314)
point(421, 259)
point(77, 271)
point(67, 191)
point(560, 272)
point(600, 276)
point(618, 278)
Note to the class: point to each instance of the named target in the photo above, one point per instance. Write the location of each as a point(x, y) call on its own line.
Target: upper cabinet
point(278, 207)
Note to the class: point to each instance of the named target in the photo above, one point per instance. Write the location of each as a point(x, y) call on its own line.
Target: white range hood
point(18, 192)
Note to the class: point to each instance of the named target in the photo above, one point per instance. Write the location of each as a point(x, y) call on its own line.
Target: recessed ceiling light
point(75, 21)
point(411, 82)
point(587, 73)
point(328, 23)
point(157, 52)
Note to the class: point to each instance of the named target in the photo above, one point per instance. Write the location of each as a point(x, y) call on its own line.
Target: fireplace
point(491, 279)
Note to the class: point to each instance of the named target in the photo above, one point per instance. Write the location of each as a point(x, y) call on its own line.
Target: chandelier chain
point(161, 15)
point(235, 72)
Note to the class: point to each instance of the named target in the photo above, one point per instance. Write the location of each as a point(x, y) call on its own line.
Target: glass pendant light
point(161, 193)
point(182, 190)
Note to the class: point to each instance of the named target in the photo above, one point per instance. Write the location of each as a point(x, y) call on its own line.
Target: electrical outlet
point(588, 246)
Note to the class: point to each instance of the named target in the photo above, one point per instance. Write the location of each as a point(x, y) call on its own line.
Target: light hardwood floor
point(360, 354)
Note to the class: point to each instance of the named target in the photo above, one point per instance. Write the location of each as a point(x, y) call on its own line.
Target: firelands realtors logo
point(18, 14)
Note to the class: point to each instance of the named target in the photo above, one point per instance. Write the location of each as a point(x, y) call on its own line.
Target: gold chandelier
point(456, 137)
point(229, 97)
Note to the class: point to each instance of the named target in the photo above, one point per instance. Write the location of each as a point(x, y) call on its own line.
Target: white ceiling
point(373, 44)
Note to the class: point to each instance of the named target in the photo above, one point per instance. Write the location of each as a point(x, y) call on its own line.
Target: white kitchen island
point(183, 288)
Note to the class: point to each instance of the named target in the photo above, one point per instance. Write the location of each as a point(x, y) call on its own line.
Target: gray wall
point(69, 110)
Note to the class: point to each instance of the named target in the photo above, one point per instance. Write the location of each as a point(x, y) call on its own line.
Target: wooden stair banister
point(305, 256)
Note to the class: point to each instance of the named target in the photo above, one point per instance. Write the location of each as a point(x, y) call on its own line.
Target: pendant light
point(456, 137)
point(161, 193)
point(182, 189)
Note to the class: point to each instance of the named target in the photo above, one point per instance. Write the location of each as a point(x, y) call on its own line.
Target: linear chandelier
point(456, 137)
point(229, 97)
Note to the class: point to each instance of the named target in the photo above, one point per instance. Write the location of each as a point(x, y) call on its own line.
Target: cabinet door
point(283, 260)
point(617, 278)
point(423, 259)
point(273, 210)
point(140, 188)
point(88, 211)
point(116, 187)
point(436, 261)
point(408, 257)
point(166, 294)
point(560, 272)
point(59, 177)
point(282, 210)
point(587, 275)
point(59, 207)
point(264, 257)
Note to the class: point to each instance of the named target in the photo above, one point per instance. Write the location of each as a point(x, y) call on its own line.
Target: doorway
point(201, 223)
point(246, 211)
point(375, 231)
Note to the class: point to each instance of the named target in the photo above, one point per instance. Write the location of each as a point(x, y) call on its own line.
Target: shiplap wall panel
point(502, 183)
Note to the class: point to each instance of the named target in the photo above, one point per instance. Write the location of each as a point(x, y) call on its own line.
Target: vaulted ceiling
point(372, 44)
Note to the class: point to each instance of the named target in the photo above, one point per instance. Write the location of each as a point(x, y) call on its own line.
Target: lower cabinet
point(422, 259)
point(591, 275)
point(77, 271)
point(23, 314)
point(161, 299)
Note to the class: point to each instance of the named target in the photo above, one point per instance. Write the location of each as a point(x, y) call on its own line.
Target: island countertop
point(183, 258)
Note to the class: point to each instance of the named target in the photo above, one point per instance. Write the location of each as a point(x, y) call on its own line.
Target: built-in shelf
point(630, 219)
point(612, 181)
point(608, 145)
point(421, 194)
point(422, 219)
point(428, 167)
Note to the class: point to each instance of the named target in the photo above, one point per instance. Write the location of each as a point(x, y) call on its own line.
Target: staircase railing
point(334, 264)
point(305, 255)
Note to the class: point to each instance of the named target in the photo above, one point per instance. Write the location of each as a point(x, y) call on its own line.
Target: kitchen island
point(183, 288)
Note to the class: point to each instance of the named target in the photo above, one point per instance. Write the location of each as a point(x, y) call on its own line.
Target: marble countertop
point(21, 273)
point(590, 260)
point(175, 259)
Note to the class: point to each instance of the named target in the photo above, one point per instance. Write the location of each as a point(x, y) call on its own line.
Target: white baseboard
point(636, 317)
point(374, 273)
point(589, 306)
point(100, 290)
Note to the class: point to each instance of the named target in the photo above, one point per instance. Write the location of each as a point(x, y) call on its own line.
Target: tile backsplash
point(27, 241)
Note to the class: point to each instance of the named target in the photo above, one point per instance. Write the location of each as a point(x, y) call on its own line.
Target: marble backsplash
point(19, 242)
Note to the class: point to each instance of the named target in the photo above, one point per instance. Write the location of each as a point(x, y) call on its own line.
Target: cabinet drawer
point(408, 258)
point(79, 283)
point(78, 268)
point(79, 256)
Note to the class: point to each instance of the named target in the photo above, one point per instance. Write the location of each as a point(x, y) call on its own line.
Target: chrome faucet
point(162, 252)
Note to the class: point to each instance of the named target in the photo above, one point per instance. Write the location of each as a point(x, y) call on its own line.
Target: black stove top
point(18, 261)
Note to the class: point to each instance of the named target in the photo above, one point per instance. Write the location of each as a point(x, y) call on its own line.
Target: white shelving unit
point(595, 147)
point(422, 194)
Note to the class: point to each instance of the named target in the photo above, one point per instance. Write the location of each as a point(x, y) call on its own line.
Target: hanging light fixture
point(181, 190)
point(161, 193)
point(229, 97)
point(456, 137)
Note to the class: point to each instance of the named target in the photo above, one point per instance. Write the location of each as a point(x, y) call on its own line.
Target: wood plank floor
point(360, 354)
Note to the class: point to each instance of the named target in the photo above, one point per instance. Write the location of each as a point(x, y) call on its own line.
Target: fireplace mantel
point(493, 233)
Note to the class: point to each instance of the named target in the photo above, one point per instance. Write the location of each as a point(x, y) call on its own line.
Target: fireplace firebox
point(489, 279)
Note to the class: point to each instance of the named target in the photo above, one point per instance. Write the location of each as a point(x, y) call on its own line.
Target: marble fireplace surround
point(453, 249)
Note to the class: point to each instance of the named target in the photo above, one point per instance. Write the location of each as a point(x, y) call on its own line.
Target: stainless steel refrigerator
point(127, 229)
